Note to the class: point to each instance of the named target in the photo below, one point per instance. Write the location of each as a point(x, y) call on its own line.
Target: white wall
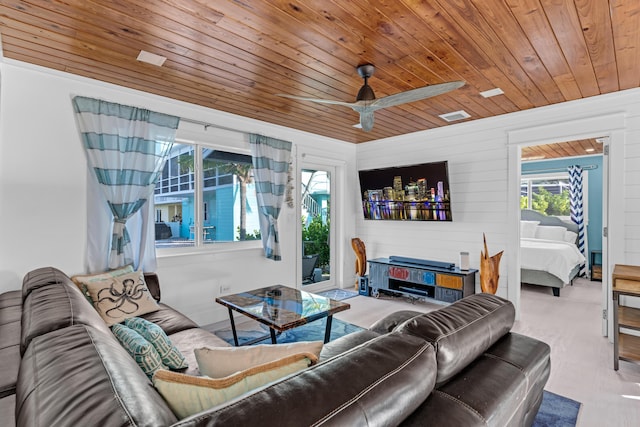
point(483, 198)
point(43, 181)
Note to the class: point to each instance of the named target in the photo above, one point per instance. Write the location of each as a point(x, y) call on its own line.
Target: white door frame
point(611, 126)
point(318, 163)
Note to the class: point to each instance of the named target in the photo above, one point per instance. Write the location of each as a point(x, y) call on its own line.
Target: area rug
point(556, 411)
point(338, 294)
point(314, 331)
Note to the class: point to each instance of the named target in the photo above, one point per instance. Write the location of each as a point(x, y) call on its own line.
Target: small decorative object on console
point(489, 269)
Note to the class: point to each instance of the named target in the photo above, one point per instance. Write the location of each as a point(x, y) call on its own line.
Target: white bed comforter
point(557, 258)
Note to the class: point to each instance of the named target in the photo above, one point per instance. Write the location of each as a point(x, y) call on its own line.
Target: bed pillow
point(220, 362)
point(550, 233)
point(570, 236)
point(121, 297)
point(153, 333)
point(187, 395)
point(528, 229)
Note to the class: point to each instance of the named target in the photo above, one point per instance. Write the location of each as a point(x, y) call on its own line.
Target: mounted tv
point(407, 193)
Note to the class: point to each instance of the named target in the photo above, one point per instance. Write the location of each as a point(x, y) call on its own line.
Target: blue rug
point(556, 411)
point(338, 294)
point(313, 331)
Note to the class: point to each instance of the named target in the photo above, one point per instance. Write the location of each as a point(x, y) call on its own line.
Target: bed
point(548, 252)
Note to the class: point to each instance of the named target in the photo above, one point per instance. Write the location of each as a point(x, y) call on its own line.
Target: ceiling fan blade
point(366, 120)
point(318, 100)
point(415, 94)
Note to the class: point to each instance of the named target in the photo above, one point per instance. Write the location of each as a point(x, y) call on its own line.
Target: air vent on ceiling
point(151, 58)
point(456, 115)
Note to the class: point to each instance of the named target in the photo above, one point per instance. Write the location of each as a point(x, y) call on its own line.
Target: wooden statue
point(489, 269)
point(361, 257)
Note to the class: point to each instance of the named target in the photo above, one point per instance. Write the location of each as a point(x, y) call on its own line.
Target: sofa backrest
point(378, 383)
point(81, 376)
point(462, 331)
point(51, 301)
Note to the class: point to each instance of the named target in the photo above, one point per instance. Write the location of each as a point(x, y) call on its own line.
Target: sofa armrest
point(153, 284)
point(463, 330)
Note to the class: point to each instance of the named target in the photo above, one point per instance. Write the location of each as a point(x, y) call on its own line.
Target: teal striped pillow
point(142, 351)
point(153, 333)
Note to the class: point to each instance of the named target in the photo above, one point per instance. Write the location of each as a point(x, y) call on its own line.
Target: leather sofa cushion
point(519, 368)
point(81, 376)
point(170, 320)
point(346, 342)
point(390, 322)
point(463, 330)
point(55, 305)
point(10, 315)
point(40, 277)
point(377, 387)
point(8, 410)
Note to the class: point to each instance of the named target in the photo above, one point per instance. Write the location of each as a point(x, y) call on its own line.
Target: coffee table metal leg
point(273, 335)
point(327, 331)
point(233, 327)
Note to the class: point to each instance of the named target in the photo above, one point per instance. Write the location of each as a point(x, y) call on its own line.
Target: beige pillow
point(220, 362)
point(121, 297)
point(87, 278)
point(187, 395)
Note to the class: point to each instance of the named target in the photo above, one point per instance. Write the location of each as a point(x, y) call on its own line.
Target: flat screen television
point(407, 193)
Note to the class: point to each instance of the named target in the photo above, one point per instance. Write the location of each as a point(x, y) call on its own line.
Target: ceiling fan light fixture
point(454, 116)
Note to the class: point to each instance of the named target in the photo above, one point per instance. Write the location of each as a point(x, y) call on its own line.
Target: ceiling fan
point(366, 101)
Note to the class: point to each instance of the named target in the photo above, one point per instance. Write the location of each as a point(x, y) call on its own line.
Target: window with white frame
point(205, 196)
point(548, 193)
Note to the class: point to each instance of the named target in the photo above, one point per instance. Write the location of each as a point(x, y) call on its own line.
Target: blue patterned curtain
point(126, 149)
point(577, 212)
point(270, 169)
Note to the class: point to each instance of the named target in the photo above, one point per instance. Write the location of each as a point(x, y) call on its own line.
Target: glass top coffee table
point(282, 308)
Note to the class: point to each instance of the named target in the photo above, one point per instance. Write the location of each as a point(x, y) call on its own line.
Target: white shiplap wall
point(477, 160)
point(484, 200)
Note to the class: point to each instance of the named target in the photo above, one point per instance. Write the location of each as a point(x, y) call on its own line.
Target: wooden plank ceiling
point(235, 56)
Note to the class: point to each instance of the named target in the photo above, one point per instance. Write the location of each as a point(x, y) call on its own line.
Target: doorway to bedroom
point(563, 202)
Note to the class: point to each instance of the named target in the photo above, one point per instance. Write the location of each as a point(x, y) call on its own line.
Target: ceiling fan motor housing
point(365, 93)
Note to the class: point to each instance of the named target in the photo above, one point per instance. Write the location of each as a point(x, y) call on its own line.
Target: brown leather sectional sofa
point(457, 366)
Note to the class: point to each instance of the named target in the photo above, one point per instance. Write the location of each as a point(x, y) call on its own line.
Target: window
point(548, 194)
point(212, 202)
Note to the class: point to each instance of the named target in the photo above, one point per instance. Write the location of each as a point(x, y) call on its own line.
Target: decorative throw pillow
point(223, 361)
point(86, 278)
point(187, 395)
point(121, 297)
point(153, 333)
point(140, 349)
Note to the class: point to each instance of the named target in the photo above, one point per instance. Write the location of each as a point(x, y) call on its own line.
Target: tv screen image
point(407, 193)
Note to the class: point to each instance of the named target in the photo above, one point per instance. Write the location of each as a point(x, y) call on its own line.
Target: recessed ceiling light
point(590, 150)
point(453, 116)
point(492, 92)
point(151, 58)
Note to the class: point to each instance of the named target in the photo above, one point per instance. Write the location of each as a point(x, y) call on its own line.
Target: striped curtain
point(270, 169)
point(126, 149)
point(577, 212)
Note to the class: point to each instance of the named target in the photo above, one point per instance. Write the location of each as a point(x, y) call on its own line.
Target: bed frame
point(542, 278)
